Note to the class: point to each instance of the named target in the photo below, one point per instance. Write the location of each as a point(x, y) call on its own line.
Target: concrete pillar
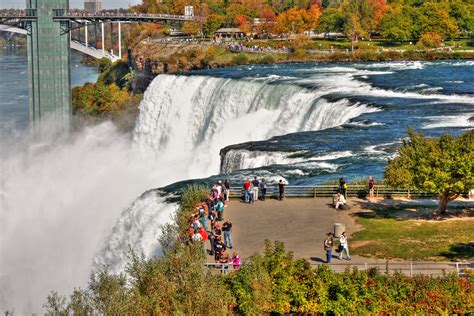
point(87, 35)
point(103, 38)
point(120, 39)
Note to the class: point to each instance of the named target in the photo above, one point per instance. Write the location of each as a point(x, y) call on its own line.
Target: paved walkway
point(302, 224)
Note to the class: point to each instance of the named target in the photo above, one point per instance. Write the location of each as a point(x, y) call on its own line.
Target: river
point(14, 85)
point(72, 204)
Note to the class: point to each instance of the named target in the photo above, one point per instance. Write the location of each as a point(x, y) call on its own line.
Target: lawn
point(451, 239)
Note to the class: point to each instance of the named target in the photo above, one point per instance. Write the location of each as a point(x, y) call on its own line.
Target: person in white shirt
point(341, 200)
point(343, 245)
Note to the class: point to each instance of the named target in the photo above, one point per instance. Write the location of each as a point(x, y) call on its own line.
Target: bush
point(267, 59)
point(430, 40)
point(240, 59)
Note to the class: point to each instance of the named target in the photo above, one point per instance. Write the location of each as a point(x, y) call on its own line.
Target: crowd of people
point(254, 190)
point(208, 223)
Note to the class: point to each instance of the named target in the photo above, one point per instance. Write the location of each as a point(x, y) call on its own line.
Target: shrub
point(430, 40)
point(240, 59)
point(267, 59)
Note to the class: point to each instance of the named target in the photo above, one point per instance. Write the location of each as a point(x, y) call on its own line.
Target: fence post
point(314, 192)
point(408, 194)
point(457, 267)
point(366, 266)
point(411, 268)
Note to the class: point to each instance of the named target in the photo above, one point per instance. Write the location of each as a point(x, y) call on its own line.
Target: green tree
point(331, 20)
point(212, 24)
point(396, 25)
point(443, 165)
point(359, 19)
point(435, 18)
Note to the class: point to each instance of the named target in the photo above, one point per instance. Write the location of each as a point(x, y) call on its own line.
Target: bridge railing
point(329, 190)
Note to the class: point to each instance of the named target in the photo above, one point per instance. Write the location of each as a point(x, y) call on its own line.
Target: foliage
point(430, 40)
point(110, 94)
point(240, 59)
point(443, 165)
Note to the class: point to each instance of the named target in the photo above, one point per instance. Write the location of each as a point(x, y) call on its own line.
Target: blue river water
point(431, 97)
point(14, 85)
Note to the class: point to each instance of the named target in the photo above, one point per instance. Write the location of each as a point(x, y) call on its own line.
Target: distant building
point(92, 6)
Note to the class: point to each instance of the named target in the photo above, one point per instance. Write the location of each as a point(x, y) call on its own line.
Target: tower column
point(48, 66)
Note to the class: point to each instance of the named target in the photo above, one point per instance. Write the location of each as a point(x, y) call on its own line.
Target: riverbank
point(154, 58)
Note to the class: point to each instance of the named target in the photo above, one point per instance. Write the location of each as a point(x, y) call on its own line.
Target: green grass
point(415, 239)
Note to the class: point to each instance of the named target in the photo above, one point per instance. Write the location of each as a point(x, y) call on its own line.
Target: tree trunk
point(443, 203)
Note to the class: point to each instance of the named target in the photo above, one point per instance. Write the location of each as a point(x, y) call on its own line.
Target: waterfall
point(190, 118)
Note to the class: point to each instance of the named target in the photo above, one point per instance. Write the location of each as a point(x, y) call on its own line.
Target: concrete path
point(302, 224)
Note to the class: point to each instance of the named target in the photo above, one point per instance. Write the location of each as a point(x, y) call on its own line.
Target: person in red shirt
point(203, 233)
point(246, 191)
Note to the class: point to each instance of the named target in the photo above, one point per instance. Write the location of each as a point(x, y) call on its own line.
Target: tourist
point(224, 261)
point(328, 244)
point(343, 245)
point(218, 230)
point(256, 185)
point(371, 188)
point(251, 195)
point(219, 188)
point(226, 190)
point(281, 190)
point(219, 248)
point(213, 218)
point(235, 260)
point(227, 229)
point(263, 189)
point(343, 187)
point(246, 191)
point(340, 201)
point(220, 209)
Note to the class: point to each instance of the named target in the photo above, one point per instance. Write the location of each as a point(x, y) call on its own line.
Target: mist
point(59, 199)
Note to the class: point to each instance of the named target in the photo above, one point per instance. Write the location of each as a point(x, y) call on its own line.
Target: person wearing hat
point(328, 244)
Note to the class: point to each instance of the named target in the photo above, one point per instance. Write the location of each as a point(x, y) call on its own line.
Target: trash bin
point(339, 229)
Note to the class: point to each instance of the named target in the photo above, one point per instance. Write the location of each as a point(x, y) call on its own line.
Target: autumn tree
point(435, 18)
point(191, 28)
point(212, 24)
point(443, 165)
point(312, 17)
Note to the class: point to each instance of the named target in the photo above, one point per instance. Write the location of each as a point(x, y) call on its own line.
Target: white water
point(61, 198)
point(194, 117)
point(239, 159)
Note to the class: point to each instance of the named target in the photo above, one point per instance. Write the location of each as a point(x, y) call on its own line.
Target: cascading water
point(189, 119)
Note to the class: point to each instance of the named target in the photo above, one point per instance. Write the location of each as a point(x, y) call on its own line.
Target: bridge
point(49, 26)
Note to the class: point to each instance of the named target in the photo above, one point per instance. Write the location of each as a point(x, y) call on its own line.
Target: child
point(235, 260)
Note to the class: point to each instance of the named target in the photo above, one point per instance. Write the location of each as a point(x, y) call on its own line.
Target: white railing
point(409, 268)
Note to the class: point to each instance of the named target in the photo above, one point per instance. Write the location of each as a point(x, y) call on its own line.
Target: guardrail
point(329, 190)
point(410, 268)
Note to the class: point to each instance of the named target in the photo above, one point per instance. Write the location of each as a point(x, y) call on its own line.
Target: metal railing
point(409, 268)
point(330, 190)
